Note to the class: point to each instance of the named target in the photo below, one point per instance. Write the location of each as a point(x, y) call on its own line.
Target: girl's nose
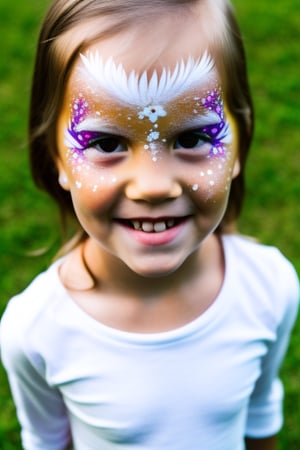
point(153, 179)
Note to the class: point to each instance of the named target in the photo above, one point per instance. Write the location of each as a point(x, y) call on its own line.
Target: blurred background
point(28, 219)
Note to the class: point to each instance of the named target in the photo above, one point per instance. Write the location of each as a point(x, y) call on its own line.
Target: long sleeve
point(40, 409)
point(265, 416)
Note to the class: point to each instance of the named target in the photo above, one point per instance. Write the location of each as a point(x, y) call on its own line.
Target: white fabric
point(203, 386)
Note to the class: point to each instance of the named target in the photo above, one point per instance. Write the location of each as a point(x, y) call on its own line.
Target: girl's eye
point(107, 144)
point(192, 139)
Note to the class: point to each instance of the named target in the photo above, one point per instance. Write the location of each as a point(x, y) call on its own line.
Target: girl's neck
point(111, 275)
point(117, 297)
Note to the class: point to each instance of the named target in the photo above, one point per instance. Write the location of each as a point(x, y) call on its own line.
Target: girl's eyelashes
point(107, 143)
point(192, 139)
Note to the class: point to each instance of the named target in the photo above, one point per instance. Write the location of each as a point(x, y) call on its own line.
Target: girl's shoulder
point(252, 252)
point(262, 269)
point(26, 312)
point(48, 289)
point(25, 308)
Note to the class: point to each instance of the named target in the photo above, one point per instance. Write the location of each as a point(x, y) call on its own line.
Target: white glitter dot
point(154, 159)
point(95, 188)
point(114, 179)
point(146, 147)
point(209, 172)
point(195, 187)
point(212, 183)
point(201, 174)
point(78, 184)
point(153, 136)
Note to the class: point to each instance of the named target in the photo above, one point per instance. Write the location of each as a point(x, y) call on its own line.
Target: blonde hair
point(53, 64)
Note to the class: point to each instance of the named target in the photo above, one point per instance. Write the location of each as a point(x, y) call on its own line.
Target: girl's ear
point(63, 180)
point(236, 168)
point(62, 176)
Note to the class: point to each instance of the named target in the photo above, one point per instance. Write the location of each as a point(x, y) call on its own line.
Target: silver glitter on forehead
point(135, 89)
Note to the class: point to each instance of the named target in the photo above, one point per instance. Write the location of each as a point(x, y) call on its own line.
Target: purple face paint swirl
point(79, 140)
point(220, 132)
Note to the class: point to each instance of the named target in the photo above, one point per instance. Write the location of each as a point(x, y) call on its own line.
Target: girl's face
point(148, 154)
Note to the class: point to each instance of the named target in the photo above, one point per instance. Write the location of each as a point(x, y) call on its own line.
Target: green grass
point(271, 210)
point(28, 220)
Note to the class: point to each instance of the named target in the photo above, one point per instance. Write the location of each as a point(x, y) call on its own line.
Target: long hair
point(53, 65)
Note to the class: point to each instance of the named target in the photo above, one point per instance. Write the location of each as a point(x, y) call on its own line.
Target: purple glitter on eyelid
point(80, 109)
point(214, 102)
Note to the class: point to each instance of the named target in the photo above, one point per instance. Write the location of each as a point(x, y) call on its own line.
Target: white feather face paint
point(138, 90)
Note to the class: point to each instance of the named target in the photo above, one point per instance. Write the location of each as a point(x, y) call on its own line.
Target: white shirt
point(203, 386)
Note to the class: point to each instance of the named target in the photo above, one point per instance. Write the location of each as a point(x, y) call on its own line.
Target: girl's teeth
point(136, 224)
point(148, 227)
point(151, 227)
point(160, 226)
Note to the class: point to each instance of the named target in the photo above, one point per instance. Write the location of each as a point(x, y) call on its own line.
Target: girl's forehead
point(155, 43)
point(149, 65)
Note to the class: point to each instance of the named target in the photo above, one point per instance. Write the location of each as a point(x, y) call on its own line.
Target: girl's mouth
point(152, 226)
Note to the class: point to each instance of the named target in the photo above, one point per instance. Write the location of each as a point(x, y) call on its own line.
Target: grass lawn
point(272, 213)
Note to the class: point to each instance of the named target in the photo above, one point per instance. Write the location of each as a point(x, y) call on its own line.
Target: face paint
point(137, 90)
point(219, 133)
point(173, 99)
point(76, 137)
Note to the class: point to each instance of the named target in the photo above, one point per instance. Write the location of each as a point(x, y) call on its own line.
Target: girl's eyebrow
point(139, 89)
point(104, 125)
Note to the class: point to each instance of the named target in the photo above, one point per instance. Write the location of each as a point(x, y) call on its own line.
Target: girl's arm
point(265, 410)
point(269, 443)
point(40, 407)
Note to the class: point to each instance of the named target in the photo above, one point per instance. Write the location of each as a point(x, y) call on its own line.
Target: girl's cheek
point(212, 180)
point(88, 176)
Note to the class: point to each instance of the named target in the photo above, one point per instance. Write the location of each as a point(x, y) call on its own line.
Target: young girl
point(160, 327)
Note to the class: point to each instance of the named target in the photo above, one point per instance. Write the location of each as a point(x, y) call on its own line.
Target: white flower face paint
point(152, 112)
point(138, 90)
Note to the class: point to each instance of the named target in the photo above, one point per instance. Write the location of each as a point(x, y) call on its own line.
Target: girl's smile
point(148, 157)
